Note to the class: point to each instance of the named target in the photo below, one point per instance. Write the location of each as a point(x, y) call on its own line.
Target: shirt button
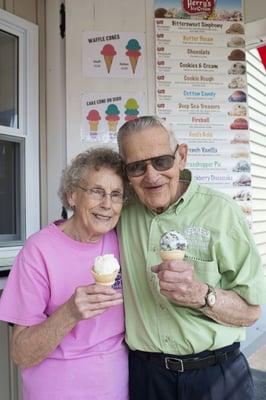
point(162, 307)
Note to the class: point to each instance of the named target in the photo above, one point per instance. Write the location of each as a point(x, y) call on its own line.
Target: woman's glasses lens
point(161, 163)
point(100, 194)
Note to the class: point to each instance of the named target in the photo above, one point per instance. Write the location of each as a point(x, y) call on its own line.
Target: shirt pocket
point(206, 271)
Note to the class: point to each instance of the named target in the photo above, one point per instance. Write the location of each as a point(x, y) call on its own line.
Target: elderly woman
point(69, 331)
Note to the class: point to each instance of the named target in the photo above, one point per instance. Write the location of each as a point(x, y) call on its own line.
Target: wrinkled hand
point(177, 282)
point(89, 301)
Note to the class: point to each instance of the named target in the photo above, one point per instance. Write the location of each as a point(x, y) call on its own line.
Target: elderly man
point(184, 319)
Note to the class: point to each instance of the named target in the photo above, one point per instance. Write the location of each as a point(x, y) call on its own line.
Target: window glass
point(8, 80)
point(10, 189)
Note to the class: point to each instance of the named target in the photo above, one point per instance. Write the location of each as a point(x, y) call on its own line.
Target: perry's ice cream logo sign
point(198, 6)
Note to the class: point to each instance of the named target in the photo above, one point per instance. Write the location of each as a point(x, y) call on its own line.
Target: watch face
point(211, 299)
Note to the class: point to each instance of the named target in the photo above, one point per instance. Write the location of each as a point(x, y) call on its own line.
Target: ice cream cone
point(105, 279)
point(105, 269)
point(171, 255)
point(108, 62)
point(172, 246)
point(93, 125)
point(112, 126)
point(133, 62)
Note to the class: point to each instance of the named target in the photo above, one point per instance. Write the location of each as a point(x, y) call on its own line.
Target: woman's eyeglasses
point(160, 163)
point(100, 194)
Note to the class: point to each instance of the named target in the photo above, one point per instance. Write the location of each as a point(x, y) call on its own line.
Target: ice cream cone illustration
point(133, 62)
point(172, 246)
point(108, 62)
point(112, 125)
point(112, 117)
point(133, 53)
point(131, 111)
point(105, 269)
point(93, 118)
point(108, 52)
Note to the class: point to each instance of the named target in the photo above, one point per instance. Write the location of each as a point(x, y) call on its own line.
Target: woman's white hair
point(86, 162)
point(142, 123)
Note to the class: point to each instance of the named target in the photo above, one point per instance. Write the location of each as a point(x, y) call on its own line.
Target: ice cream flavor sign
point(116, 54)
point(103, 114)
point(201, 89)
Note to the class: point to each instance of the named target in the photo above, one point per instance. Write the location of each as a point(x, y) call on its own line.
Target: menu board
point(201, 90)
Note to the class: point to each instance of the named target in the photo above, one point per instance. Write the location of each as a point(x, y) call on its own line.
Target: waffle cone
point(133, 62)
point(168, 255)
point(104, 279)
point(108, 62)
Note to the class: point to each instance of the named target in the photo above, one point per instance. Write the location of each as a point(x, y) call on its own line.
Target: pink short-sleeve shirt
point(91, 361)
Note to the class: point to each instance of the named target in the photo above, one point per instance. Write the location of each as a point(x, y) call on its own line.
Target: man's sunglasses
point(160, 163)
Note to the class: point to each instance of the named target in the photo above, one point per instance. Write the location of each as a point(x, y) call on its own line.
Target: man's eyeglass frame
point(143, 164)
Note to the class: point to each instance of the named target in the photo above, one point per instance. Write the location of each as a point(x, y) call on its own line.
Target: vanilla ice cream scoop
point(106, 264)
point(173, 246)
point(105, 269)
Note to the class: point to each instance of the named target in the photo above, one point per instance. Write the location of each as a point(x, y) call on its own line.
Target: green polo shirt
point(224, 255)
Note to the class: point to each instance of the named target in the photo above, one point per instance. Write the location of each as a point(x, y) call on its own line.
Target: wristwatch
point(210, 297)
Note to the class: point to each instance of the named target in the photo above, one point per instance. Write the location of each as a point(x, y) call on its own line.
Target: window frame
point(28, 130)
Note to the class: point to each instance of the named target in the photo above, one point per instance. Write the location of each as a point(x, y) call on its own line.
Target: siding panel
point(26, 9)
point(253, 92)
point(259, 216)
point(259, 204)
point(258, 138)
point(256, 111)
point(9, 6)
point(263, 256)
point(257, 127)
point(259, 193)
point(258, 156)
point(256, 80)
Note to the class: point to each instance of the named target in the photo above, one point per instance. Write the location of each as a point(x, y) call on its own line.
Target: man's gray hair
point(90, 160)
point(142, 123)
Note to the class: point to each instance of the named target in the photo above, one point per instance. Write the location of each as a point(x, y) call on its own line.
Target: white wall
point(103, 16)
point(56, 107)
point(254, 10)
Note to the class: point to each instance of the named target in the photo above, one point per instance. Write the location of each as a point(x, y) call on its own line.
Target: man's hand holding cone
point(176, 277)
